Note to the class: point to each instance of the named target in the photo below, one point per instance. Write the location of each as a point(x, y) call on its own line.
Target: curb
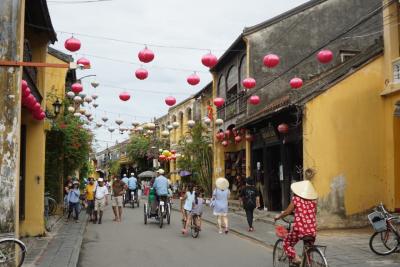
point(78, 246)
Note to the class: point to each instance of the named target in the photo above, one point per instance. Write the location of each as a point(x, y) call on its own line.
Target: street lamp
point(57, 107)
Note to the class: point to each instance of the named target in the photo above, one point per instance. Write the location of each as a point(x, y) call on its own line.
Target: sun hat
point(304, 189)
point(100, 180)
point(132, 174)
point(222, 183)
point(160, 171)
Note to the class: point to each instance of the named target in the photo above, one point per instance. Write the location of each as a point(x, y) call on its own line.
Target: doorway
point(272, 178)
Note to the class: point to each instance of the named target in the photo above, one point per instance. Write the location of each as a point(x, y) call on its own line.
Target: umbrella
point(147, 174)
point(184, 173)
point(222, 183)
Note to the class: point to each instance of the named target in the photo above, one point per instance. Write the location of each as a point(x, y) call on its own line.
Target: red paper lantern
point(39, 116)
point(193, 79)
point(296, 83)
point(84, 61)
point(220, 136)
point(26, 92)
point(24, 84)
point(173, 151)
point(219, 102)
point(72, 44)
point(238, 139)
point(209, 60)
point(162, 157)
point(254, 100)
point(141, 74)
point(146, 55)
point(325, 56)
point(76, 88)
point(124, 96)
point(36, 107)
point(271, 60)
point(249, 83)
point(283, 128)
point(173, 157)
point(30, 101)
point(170, 100)
point(225, 143)
point(227, 134)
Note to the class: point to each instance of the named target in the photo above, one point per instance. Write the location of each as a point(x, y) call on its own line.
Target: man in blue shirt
point(132, 186)
point(125, 179)
point(161, 184)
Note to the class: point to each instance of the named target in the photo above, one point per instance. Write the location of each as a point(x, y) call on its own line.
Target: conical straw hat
point(222, 183)
point(304, 189)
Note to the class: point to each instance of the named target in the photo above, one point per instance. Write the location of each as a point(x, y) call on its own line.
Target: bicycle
point(12, 252)
point(312, 256)
point(194, 226)
point(386, 239)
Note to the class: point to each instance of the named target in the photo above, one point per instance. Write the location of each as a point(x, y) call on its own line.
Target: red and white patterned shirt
point(305, 216)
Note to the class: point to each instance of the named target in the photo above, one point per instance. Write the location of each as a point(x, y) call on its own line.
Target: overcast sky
point(209, 24)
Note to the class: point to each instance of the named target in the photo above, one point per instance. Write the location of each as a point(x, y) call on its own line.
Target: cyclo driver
point(160, 186)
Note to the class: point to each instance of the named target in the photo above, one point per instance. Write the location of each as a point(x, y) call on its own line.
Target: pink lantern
point(76, 88)
point(162, 157)
point(26, 92)
point(225, 143)
point(219, 102)
point(173, 157)
point(193, 79)
point(36, 107)
point(124, 96)
point(220, 136)
point(271, 60)
point(296, 83)
point(84, 61)
point(227, 134)
point(30, 101)
point(146, 55)
point(238, 139)
point(283, 128)
point(325, 56)
point(39, 116)
point(249, 83)
point(72, 44)
point(141, 74)
point(254, 100)
point(24, 84)
point(209, 60)
point(173, 151)
point(170, 100)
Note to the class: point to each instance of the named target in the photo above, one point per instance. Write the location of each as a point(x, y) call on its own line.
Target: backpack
point(250, 197)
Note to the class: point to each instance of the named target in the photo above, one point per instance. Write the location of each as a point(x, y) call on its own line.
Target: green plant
point(114, 167)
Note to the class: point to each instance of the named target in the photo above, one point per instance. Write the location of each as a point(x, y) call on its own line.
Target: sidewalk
point(60, 248)
point(344, 247)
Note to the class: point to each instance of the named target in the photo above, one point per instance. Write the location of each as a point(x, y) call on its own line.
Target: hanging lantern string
point(125, 114)
point(140, 64)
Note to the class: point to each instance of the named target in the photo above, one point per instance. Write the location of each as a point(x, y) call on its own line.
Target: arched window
point(189, 113)
point(242, 70)
point(232, 78)
point(221, 86)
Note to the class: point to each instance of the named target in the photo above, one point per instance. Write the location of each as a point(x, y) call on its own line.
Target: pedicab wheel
point(160, 217)
point(145, 213)
point(279, 257)
point(138, 203)
point(168, 215)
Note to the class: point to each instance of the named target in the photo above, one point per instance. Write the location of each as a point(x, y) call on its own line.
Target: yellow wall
point(343, 142)
point(54, 82)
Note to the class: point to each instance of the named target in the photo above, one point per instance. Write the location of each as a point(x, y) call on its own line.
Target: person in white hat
point(304, 206)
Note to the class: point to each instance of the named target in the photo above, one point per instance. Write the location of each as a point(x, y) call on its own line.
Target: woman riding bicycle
point(186, 208)
point(304, 206)
point(197, 210)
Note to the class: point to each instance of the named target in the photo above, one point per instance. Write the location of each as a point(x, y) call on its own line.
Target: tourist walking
point(220, 203)
point(100, 201)
point(188, 199)
point(73, 201)
point(250, 199)
point(118, 188)
point(89, 192)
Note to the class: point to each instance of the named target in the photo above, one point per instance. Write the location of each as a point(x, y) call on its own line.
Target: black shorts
point(90, 206)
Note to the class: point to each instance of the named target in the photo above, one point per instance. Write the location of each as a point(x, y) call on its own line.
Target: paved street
point(131, 243)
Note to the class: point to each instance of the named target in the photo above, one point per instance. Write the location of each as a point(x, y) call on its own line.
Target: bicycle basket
point(377, 221)
point(281, 231)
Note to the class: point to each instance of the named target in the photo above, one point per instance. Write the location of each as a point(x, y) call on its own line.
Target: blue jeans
point(73, 207)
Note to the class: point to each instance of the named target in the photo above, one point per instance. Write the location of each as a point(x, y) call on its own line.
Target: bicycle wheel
point(160, 217)
point(145, 213)
point(384, 243)
point(168, 214)
point(52, 206)
point(279, 256)
point(12, 252)
point(314, 258)
point(193, 228)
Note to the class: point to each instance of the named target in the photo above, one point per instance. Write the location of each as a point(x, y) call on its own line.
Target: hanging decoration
point(225, 143)
point(191, 123)
point(84, 62)
point(135, 124)
point(141, 73)
point(165, 133)
point(95, 84)
point(139, 129)
point(238, 139)
point(283, 128)
point(78, 99)
point(88, 99)
point(119, 121)
point(219, 122)
point(111, 130)
point(71, 109)
point(254, 100)
point(227, 134)
point(77, 88)
point(296, 83)
point(207, 121)
point(72, 44)
point(220, 136)
point(24, 85)
point(70, 94)
point(95, 105)
point(105, 119)
point(249, 83)
point(175, 124)
point(99, 124)
point(170, 100)
point(26, 92)
point(170, 127)
point(77, 114)
point(162, 157)
point(146, 55)
point(219, 102)
point(325, 56)
point(271, 60)
point(94, 96)
point(209, 60)
point(124, 96)
point(193, 79)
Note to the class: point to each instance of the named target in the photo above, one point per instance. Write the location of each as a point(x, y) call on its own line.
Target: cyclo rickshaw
point(159, 210)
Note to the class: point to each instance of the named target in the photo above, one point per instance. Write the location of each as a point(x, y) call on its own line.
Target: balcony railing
point(233, 107)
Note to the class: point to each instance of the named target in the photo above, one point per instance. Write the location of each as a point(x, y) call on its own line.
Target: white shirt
point(101, 192)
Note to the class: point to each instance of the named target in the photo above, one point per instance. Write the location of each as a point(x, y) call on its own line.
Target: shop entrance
point(273, 175)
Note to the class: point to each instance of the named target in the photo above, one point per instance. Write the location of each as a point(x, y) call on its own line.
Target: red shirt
point(305, 216)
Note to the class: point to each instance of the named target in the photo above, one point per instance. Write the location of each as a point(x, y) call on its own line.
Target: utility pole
point(12, 18)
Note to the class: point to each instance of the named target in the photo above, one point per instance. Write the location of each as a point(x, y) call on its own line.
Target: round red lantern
point(271, 60)
point(225, 143)
point(283, 128)
point(220, 136)
point(39, 116)
point(173, 157)
point(238, 138)
point(209, 60)
point(84, 62)
point(124, 96)
point(141, 74)
point(36, 107)
point(193, 79)
point(249, 83)
point(24, 84)
point(227, 134)
point(30, 101)
point(296, 83)
point(325, 56)
point(162, 157)
point(173, 151)
point(26, 92)
point(146, 55)
point(219, 102)
point(170, 100)
point(254, 100)
point(76, 88)
point(72, 44)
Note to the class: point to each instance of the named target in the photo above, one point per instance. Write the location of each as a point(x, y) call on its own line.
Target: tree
point(114, 166)
point(197, 157)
